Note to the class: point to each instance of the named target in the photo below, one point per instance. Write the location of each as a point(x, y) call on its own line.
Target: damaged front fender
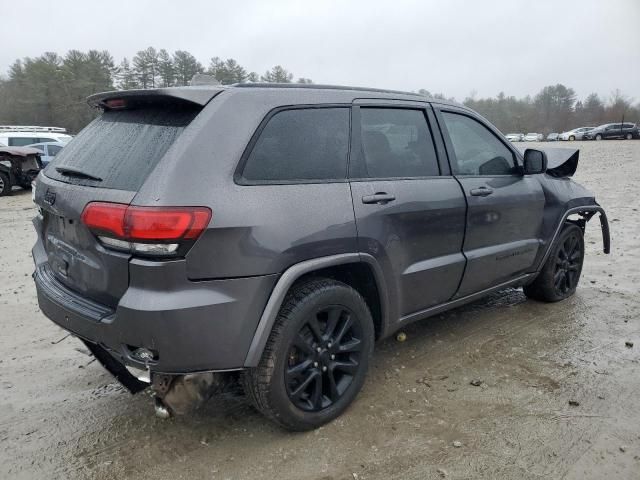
point(580, 216)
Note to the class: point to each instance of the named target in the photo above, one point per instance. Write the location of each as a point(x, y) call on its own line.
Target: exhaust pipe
point(161, 409)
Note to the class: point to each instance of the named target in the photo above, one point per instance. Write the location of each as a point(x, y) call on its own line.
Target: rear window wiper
point(76, 172)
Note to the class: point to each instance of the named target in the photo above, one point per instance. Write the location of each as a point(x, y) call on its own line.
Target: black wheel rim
point(568, 265)
point(324, 358)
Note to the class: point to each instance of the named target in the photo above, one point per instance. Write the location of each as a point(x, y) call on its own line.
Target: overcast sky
point(454, 47)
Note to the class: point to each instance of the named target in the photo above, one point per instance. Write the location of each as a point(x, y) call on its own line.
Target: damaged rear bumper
point(188, 326)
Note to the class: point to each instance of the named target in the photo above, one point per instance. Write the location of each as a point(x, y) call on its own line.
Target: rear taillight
point(155, 231)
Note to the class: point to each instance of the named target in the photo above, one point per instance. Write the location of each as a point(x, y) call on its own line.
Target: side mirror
point(535, 161)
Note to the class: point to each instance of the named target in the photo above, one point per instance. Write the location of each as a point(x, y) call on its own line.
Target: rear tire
point(5, 184)
point(560, 274)
point(316, 358)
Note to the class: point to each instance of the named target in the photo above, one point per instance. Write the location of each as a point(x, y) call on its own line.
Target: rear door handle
point(481, 191)
point(380, 198)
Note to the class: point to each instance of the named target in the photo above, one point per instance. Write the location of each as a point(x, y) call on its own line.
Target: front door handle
point(381, 198)
point(481, 191)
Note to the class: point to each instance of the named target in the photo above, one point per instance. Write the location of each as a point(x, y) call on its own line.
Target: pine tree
point(277, 75)
point(185, 67)
point(166, 71)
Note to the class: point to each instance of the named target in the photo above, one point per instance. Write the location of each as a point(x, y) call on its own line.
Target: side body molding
point(285, 282)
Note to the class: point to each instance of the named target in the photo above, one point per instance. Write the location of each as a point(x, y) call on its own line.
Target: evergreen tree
point(145, 65)
point(277, 75)
point(166, 70)
point(126, 78)
point(185, 67)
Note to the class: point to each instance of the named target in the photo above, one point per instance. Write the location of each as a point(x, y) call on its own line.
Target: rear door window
point(122, 147)
point(304, 144)
point(396, 143)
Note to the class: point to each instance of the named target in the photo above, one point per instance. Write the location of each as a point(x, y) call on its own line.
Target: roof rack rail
point(320, 87)
point(31, 128)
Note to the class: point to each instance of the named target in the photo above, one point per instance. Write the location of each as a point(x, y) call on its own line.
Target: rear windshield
point(122, 147)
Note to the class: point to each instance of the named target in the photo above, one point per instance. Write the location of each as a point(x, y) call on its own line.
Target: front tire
point(572, 138)
point(598, 137)
point(316, 359)
point(5, 184)
point(560, 274)
point(629, 136)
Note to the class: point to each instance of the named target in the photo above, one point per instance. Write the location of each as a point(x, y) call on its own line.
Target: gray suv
point(271, 233)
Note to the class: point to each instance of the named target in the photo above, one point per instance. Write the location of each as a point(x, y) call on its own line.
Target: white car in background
point(533, 137)
point(514, 137)
point(22, 135)
point(575, 134)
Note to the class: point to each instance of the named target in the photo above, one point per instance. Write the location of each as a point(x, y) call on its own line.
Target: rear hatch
point(107, 162)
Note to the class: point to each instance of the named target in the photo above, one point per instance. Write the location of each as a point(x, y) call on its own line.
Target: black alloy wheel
point(323, 359)
point(568, 264)
point(561, 272)
point(316, 359)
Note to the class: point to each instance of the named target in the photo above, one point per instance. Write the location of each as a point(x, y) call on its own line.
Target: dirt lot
point(62, 416)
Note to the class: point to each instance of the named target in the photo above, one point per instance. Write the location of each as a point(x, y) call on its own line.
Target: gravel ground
point(557, 396)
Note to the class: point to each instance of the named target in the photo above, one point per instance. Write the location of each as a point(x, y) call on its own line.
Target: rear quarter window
point(122, 147)
point(303, 144)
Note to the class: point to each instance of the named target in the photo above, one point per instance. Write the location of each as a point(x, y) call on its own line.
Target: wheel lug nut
point(324, 369)
point(315, 364)
point(329, 345)
point(333, 357)
point(319, 349)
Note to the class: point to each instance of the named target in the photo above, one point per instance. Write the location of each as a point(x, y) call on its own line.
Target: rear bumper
point(193, 326)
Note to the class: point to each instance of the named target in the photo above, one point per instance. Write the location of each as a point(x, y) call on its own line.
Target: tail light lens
point(154, 231)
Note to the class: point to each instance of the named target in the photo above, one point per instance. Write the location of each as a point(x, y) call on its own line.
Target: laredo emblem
point(50, 197)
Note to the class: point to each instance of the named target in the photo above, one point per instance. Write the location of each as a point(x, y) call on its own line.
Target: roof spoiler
point(200, 95)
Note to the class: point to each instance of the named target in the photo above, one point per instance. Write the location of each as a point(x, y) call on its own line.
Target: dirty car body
point(406, 214)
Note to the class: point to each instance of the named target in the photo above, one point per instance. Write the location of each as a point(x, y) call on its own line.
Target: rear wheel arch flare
point(348, 266)
point(361, 277)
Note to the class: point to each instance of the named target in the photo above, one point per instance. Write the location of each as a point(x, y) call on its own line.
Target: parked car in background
point(613, 130)
point(163, 272)
point(22, 135)
point(575, 134)
point(514, 137)
point(49, 150)
point(18, 166)
point(533, 137)
point(553, 137)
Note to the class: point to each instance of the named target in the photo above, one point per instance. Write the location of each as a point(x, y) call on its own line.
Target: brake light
point(146, 230)
point(115, 103)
